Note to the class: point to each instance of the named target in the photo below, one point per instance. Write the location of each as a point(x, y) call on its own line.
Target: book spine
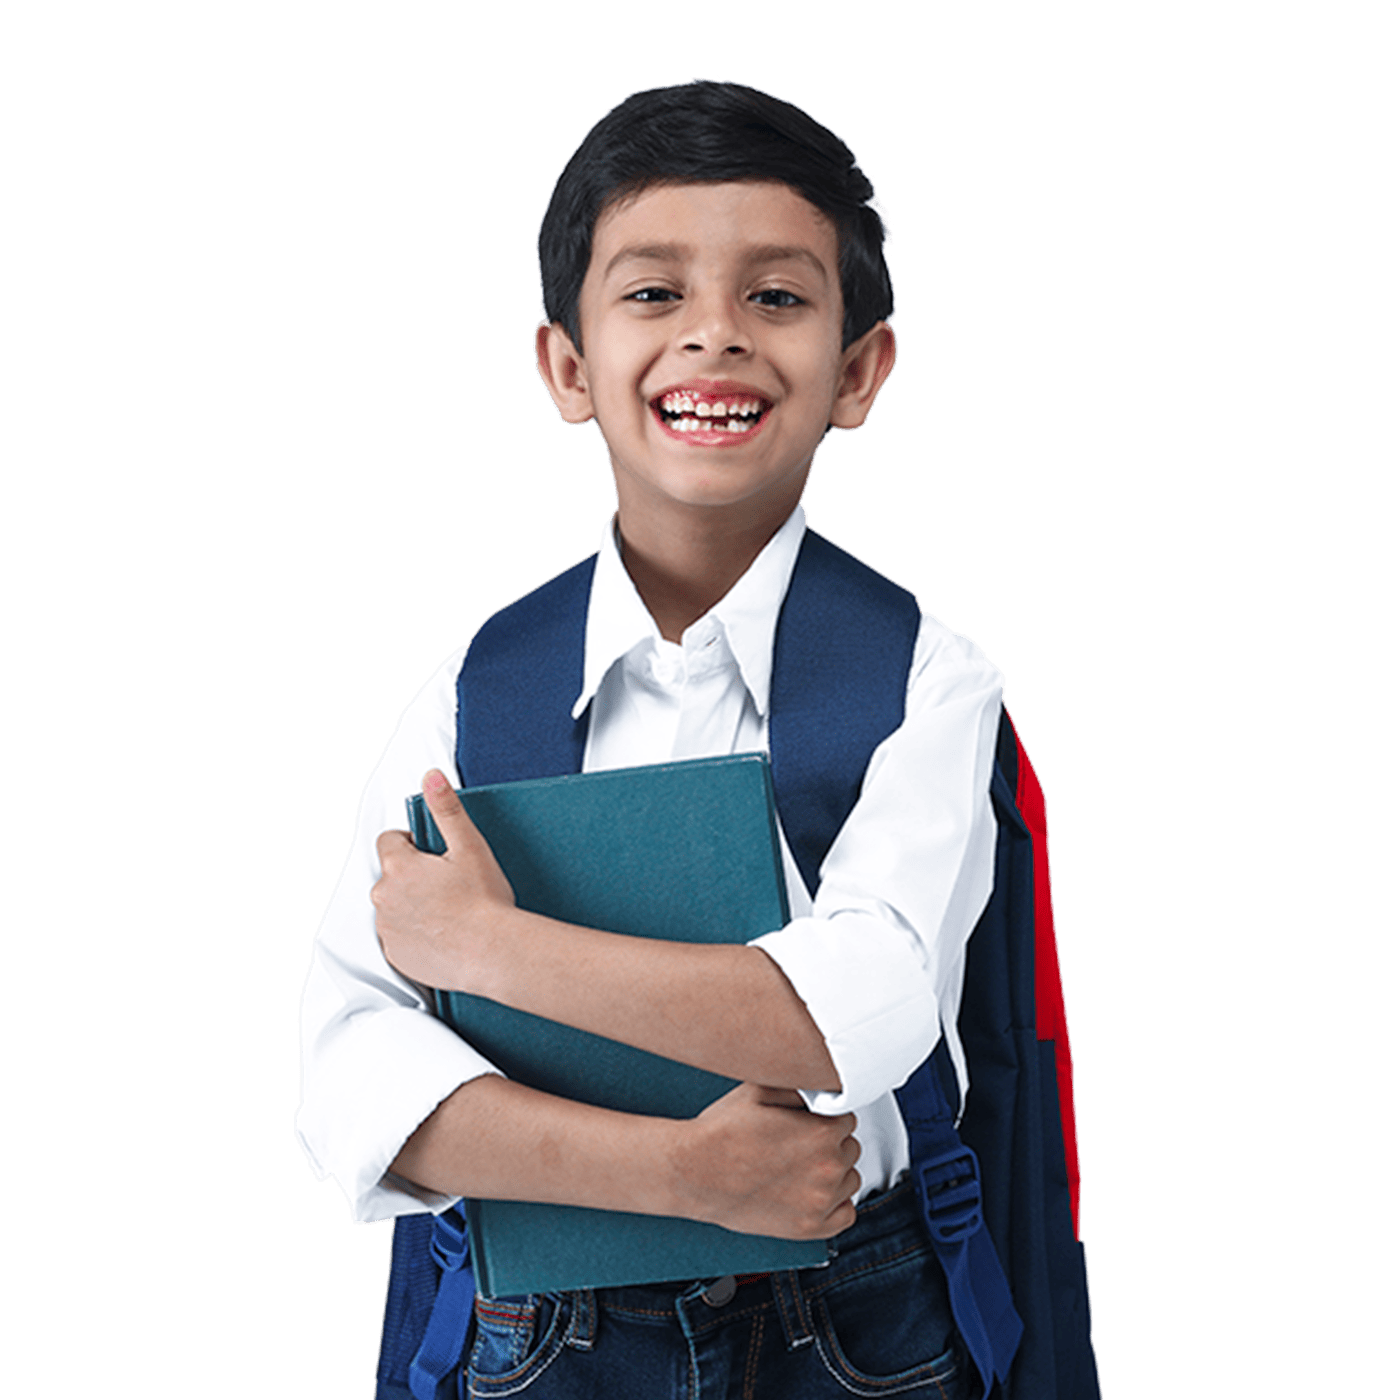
point(480, 1257)
point(422, 828)
point(776, 840)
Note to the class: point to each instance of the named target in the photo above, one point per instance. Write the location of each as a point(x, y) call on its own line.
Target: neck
point(681, 573)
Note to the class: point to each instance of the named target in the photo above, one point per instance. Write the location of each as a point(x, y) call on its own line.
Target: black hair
point(708, 132)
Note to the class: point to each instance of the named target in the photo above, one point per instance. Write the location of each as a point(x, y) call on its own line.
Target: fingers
point(791, 1172)
point(832, 1137)
point(841, 1214)
point(790, 1098)
point(850, 1147)
point(833, 1208)
point(447, 809)
point(448, 812)
point(844, 1216)
point(392, 843)
point(777, 1098)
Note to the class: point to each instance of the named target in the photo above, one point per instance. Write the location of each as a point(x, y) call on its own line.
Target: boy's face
point(711, 319)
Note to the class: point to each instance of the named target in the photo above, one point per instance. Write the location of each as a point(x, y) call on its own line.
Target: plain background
point(274, 444)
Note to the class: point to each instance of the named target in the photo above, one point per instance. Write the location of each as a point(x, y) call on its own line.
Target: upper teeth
point(710, 408)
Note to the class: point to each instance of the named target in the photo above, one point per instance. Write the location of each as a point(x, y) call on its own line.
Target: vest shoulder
point(938, 646)
point(550, 602)
point(830, 559)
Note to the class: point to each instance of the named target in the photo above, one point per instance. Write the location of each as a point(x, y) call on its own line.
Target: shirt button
point(721, 1291)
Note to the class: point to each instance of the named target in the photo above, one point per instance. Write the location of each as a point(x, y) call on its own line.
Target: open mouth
point(686, 411)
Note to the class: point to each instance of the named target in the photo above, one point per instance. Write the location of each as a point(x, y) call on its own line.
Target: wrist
point(498, 960)
point(671, 1177)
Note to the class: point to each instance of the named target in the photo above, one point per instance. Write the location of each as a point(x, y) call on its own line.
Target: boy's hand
point(759, 1162)
point(433, 913)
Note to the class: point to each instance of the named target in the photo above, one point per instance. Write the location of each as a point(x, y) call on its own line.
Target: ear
point(866, 364)
point(564, 373)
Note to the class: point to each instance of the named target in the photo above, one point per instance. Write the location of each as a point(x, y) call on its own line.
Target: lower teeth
point(696, 425)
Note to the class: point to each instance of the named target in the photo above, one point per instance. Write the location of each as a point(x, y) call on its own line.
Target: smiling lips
point(717, 414)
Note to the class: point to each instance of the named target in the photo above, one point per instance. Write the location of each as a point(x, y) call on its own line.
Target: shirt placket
point(710, 695)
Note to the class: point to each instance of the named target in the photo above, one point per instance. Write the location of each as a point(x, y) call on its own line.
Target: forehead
point(752, 220)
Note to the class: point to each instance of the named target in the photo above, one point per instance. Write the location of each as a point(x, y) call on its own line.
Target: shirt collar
point(618, 619)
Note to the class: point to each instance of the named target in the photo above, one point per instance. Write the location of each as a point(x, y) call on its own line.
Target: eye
point(776, 297)
point(652, 294)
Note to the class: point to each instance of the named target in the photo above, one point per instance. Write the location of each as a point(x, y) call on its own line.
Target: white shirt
point(877, 958)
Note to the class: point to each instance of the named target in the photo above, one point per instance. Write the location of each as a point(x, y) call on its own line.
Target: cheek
point(617, 377)
point(816, 364)
point(823, 380)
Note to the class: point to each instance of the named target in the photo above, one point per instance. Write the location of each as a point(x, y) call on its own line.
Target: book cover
point(684, 851)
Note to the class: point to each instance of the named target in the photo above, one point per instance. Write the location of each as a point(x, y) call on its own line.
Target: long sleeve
point(375, 1061)
point(879, 961)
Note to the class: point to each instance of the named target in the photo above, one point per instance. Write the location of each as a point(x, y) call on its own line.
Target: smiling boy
point(717, 299)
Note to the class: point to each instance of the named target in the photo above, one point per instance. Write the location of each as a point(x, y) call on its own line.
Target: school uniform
point(877, 955)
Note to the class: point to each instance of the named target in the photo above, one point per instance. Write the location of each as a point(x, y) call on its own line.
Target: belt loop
point(792, 1309)
point(583, 1324)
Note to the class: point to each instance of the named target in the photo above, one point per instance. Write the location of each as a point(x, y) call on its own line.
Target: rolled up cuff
point(395, 1067)
point(868, 994)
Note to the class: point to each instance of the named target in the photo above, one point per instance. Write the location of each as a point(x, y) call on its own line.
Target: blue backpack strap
point(517, 688)
point(841, 659)
point(948, 1178)
point(841, 656)
point(434, 1373)
point(420, 1318)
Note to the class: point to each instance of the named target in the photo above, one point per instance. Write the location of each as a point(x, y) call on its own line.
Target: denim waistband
point(875, 1319)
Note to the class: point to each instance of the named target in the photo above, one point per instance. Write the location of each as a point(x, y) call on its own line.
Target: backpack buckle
point(450, 1243)
point(950, 1191)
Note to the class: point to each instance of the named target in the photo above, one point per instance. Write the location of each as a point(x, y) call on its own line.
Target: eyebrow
point(777, 252)
point(647, 252)
point(676, 252)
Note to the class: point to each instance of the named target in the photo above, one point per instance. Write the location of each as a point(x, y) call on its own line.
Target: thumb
point(448, 812)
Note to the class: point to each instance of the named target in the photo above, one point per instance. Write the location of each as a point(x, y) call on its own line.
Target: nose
point(715, 326)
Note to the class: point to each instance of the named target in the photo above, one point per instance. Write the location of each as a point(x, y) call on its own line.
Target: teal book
point(683, 851)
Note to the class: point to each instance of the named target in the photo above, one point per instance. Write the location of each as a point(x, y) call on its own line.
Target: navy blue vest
point(844, 642)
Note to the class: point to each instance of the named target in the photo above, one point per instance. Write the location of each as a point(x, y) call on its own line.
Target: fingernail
point(435, 782)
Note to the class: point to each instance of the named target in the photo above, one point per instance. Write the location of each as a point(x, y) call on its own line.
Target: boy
point(717, 299)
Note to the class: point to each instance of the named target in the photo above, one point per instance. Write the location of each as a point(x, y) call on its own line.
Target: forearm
point(494, 1139)
point(754, 1161)
point(722, 1007)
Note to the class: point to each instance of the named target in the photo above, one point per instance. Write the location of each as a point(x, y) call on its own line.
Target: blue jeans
point(874, 1322)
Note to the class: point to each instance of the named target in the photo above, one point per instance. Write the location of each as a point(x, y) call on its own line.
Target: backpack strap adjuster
point(950, 1192)
point(451, 1242)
